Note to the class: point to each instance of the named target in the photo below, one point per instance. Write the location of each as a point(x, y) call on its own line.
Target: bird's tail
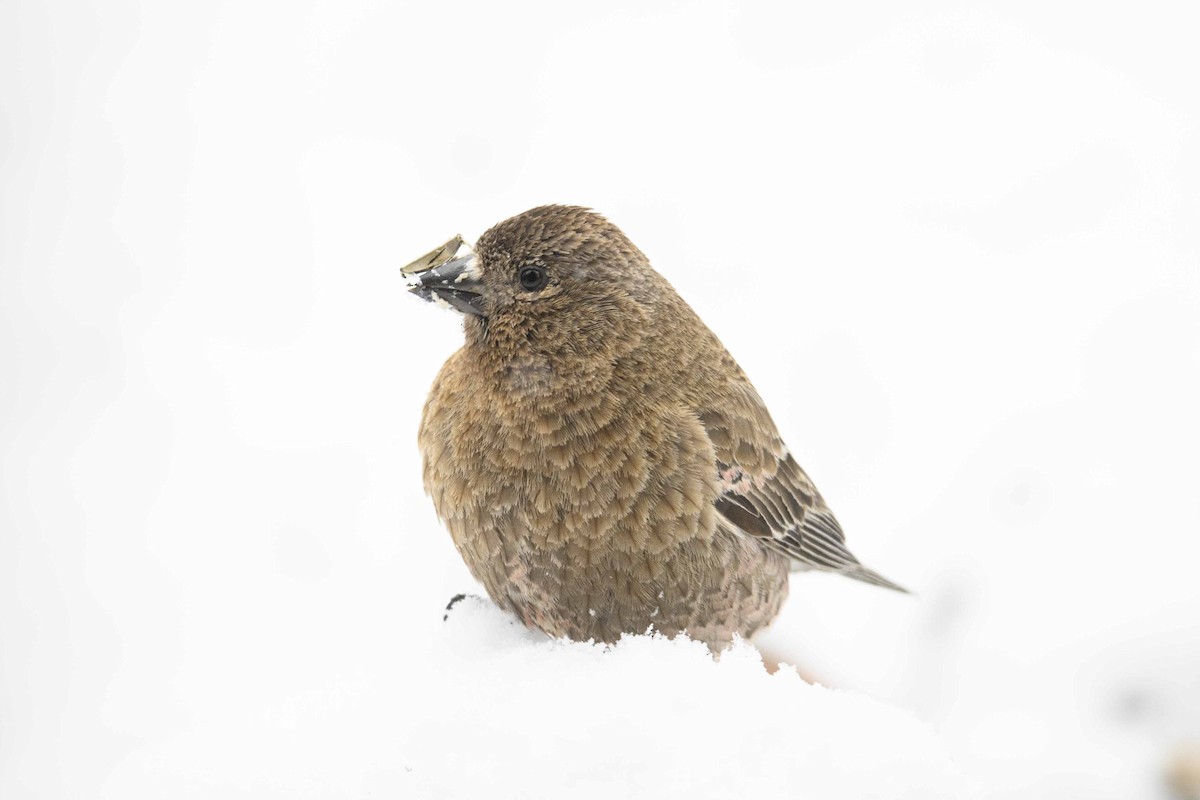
point(861, 573)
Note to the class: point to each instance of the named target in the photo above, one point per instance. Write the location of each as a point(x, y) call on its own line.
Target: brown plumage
point(603, 464)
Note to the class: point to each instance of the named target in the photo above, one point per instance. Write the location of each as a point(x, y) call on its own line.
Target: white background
point(956, 248)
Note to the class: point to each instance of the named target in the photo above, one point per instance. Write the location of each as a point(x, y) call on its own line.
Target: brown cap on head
point(570, 237)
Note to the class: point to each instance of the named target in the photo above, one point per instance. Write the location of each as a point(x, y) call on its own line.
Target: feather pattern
point(766, 495)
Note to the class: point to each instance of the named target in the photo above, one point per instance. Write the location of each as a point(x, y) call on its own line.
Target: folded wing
point(765, 493)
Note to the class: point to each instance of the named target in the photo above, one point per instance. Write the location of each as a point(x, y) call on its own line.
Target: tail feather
point(866, 575)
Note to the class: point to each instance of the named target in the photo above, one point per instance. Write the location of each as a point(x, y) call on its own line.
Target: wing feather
point(767, 495)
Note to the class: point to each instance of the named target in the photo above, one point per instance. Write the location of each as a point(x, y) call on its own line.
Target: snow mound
point(494, 710)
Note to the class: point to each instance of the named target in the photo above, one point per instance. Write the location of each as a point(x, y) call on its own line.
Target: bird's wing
point(765, 493)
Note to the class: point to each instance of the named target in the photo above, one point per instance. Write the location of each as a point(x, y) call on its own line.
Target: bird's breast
point(589, 470)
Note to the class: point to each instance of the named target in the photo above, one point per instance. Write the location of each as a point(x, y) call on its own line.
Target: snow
point(495, 710)
point(981, 339)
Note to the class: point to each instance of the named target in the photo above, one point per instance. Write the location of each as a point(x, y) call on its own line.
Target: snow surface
point(954, 245)
point(493, 710)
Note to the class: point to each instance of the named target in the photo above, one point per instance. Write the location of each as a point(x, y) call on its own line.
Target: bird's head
point(556, 286)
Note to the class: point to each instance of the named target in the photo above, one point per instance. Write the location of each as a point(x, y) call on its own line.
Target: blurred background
point(957, 248)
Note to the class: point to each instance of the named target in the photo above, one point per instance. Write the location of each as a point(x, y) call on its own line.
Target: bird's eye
point(532, 278)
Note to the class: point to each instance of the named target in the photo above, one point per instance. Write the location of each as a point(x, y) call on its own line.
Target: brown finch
point(603, 464)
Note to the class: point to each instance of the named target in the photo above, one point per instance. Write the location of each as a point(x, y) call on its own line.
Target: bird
point(604, 466)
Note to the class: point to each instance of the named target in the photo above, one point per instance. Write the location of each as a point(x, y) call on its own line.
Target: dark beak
point(443, 277)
